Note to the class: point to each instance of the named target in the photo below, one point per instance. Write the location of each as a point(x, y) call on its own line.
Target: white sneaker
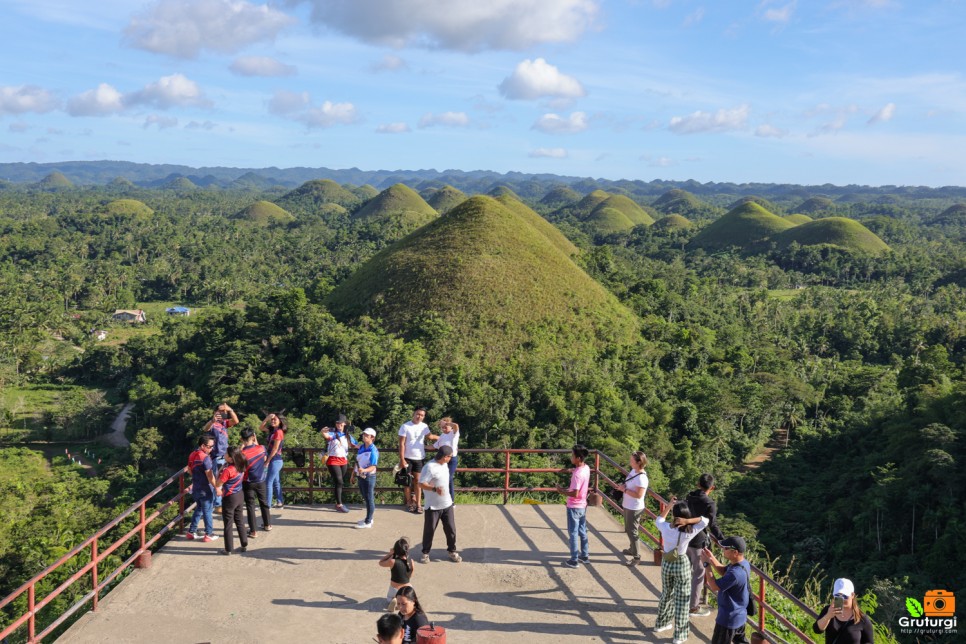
point(363, 524)
point(679, 641)
point(663, 628)
point(424, 559)
point(455, 557)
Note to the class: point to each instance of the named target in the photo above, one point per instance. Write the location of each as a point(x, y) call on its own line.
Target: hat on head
point(843, 587)
point(734, 542)
point(341, 419)
point(370, 431)
point(443, 452)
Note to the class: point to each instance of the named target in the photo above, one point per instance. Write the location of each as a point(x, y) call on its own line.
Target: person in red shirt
point(202, 488)
point(254, 482)
point(276, 427)
point(229, 487)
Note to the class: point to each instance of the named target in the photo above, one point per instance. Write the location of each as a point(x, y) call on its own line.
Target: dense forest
point(828, 325)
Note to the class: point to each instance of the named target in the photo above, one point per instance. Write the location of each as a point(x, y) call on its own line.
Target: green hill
point(365, 192)
point(445, 199)
point(815, 205)
point(797, 219)
point(503, 287)
point(180, 184)
point(606, 221)
point(680, 202)
point(742, 227)
point(560, 196)
point(551, 232)
point(263, 213)
point(309, 197)
point(628, 207)
point(673, 222)
point(398, 206)
point(54, 181)
point(761, 201)
point(953, 215)
point(585, 206)
point(251, 181)
point(125, 208)
point(839, 232)
point(120, 183)
point(501, 190)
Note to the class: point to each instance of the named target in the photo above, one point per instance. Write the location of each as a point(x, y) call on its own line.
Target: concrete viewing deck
point(315, 578)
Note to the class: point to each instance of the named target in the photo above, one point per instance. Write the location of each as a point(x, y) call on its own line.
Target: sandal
point(419, 510)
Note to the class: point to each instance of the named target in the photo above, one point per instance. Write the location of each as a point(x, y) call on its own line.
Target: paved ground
point(314, 578)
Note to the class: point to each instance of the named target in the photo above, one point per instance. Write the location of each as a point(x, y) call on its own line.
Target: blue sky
point(818, 91)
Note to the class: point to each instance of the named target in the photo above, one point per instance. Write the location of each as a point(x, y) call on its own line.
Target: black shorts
point(415, 465)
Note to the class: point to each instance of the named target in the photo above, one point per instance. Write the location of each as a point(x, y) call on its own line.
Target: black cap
point(734, 542)
point(443, 452)
point(341, 419)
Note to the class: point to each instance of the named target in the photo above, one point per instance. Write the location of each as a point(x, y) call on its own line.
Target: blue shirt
point(200, 464)
point(733, 595)
point(257, 457)
point(220, 434)
point(366, 456)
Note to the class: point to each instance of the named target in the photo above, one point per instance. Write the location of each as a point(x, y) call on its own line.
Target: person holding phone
point(337, 457)
point(634, 488)
point(732, 590)
point(842, 621)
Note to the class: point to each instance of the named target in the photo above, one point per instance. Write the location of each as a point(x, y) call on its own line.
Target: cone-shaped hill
point(761, 201)
point(504, 290)
point(560, 196)
point(551, 232)
point(264, 213)
point(585, 206)
point(606, 221)
point(797, 219)
point(952, 215)
point(628, 207)
point(815, 205)
point(365, 192)
point(742, 227)
point(121, 183)
point(311, 195)
point(128, 208)
point(841, 232)
point(180, 184)
point(445, 199)
point(501, 190)
point(54, 181)
point(400, 208)
point(678, 202)
point(673, 222)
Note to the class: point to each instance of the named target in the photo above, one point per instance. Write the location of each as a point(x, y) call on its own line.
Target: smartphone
point(838, 602)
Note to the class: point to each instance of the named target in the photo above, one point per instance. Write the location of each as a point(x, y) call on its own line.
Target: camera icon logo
point(939, 603)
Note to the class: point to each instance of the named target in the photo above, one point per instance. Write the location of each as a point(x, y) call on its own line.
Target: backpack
point(298, 457)
point(403, 478)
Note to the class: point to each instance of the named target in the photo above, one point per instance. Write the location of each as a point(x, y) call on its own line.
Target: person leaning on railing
point(842, 621)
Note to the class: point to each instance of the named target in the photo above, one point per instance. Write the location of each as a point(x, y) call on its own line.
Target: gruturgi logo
point(936, 615)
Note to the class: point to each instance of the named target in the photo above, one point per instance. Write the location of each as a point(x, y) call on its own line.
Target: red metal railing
point(314, 470)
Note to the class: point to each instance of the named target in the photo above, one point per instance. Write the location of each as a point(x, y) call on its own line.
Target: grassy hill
point(399, 205)
point(310, 196)
point(679, 202)
point(606, 221)
point(634, 212)
point(501, 191)
point(953, 215)
point(180, 184)
point(840, 232)
point(548, 230)
point(673, 222)
point(54, 181)
point(560, 196)
point(505, 286)
point(128, 208)
point(742, 227)
point(365, 192)
point(263, 213)
point(797, 219)
point(585, 206)
point(445, 199)
point(814, 205)
point(761, 201)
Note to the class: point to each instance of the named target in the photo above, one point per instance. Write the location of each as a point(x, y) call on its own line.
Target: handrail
point(98, 553)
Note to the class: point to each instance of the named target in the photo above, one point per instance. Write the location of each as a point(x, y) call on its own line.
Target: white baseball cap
point(843, 587)
point(369, 430)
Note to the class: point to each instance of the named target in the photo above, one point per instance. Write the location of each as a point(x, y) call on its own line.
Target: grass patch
point(25, 411)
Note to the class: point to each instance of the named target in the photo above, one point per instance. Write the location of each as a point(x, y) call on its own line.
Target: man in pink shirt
point(577, 508)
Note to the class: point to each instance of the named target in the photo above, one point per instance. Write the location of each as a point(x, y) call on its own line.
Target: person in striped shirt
point(253, 484)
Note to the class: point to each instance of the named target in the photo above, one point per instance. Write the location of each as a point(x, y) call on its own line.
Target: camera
point(939, 603)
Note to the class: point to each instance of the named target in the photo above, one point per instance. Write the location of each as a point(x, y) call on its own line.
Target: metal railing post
point(506, 478)
point(597, 472)
point(181, 502)
point(31, 623)
point(311, 478)
point(761, 605)
point(143, 526)
point(94, 572)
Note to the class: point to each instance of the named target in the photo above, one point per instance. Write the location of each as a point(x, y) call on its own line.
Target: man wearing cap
point(732, 589)
point(434, 480)
point(367, 458)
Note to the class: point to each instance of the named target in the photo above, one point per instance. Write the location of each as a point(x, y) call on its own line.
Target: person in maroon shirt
point(276, 427)
point(202, 488)
point(254, 483)
point(229, 487)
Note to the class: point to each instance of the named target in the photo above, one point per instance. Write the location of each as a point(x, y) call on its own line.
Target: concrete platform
point(315, 578)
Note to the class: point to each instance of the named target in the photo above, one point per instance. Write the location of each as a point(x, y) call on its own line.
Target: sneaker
point(455, 557)
point(424, 558)
point(362, 524)
point(191, 536)
point(226, 552)
point(391, 608)
point(663, 628)
point(583, 560)
point(209, 538)
point(700, 611)
point(627, 551)
point(243, 549)
point(679, 641)
point(634, 561)
point(571, 564)
point(341, 508)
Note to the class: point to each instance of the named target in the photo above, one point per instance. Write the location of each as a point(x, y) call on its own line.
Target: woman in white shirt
point(676, 568)
point(634, 488)
point(449, 434)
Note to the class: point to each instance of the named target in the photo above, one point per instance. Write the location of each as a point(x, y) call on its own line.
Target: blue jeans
point(577, 529)
point(274, 480)
point(203, 507)
point(452, 477)
point(367, 488)
point(218, 466)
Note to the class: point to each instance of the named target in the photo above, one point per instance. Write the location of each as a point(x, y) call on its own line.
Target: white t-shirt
point(415, 435)
point(635, 482)
point(436, 474)
point(452, 439)
point(674, 538)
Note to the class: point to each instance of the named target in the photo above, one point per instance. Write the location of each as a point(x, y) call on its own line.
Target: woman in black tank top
point(401, 570)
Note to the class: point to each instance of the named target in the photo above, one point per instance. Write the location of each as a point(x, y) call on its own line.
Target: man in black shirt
point(701, 505)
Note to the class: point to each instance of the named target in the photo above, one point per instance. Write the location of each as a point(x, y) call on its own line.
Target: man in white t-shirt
point(439, 504)
point(412, 455)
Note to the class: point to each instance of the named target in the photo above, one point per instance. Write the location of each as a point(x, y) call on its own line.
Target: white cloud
point(694, 17)
point(26, 98)
point(162, 122)
point(175, 90)
point(721, 121)
point(389, 63)
point(464, 25)
point(451, 119)
point(770, 131)
point(329, 114)
point(836, 117)
point(662, 162)
point(781, 15)
point(556, 124)
point(182, 28)
point(548, 153)
point(393, 128)
point(284, 102)
point(261, 66)
point(200, 125)
point(537, 78)
point(883, 115)
point(103, 100)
